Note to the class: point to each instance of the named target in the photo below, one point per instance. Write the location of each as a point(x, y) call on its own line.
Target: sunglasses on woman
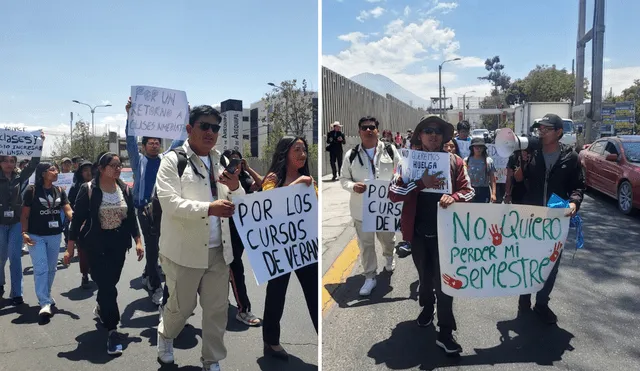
point(435, 131)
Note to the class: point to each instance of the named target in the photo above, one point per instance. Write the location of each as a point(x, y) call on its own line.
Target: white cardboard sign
point(16, 142)
point(158, 112)
point(414, 163)
point(379, 214)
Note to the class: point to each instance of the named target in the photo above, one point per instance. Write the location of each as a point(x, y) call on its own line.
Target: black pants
point(106, 266)
point(274, 302)
point(335, 156)
point(542, 297)
point(151, 248)
point(424, 251)
point(236, 277)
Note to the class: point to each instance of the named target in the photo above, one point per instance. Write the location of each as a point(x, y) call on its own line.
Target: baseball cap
point(551, 120)
point(65, 159)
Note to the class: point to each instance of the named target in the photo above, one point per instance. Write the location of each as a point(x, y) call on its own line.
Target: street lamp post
point(440, 83)
point(464, 104)
point(93, 111)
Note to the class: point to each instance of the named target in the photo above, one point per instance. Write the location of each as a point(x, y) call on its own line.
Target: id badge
point(54, 224)
point(8, 214)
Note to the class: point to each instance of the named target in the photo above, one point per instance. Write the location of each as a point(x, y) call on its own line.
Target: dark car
point(612, 166)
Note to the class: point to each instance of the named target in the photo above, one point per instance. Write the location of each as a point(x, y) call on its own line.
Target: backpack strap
point(355, 152)
point(182, 160)
point(389, 150)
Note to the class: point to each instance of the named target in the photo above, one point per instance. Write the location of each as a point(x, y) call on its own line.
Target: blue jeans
point(11, 248)
point(44, 256)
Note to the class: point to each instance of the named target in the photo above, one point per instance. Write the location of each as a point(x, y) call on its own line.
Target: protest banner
point(230, 136)
point(463, 146)
point(18, 142)
point(157, 112)
point(379, 214)
point(491, 250)
point(65, 181)
point(499, 162)
point(413, 164)
point(279, 229)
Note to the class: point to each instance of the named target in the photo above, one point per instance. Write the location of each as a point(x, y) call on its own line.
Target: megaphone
point(508, 142)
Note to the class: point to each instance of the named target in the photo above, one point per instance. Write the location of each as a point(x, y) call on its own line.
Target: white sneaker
point(156, 298)
point(165, 349)
point(369, 285)
point(45, 311)
point(391, 263)
point(213, 367)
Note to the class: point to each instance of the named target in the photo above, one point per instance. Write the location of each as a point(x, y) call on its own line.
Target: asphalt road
point(72, 340)
point(596, 298)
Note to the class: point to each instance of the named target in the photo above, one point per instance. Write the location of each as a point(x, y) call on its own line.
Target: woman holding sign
point(41, 221)
point(11, 183)
point(419, 225)
point(288, 167)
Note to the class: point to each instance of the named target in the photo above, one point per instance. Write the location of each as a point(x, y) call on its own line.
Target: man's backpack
point(153, 210)
point(356, 153)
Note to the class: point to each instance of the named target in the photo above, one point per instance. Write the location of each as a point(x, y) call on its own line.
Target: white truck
point(528, 113)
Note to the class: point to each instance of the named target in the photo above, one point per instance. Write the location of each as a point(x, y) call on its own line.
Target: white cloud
point(443, 8)
point(396, 55)
point(375, 13)
point(618, 79)
point(407, 11)
point(352, 37)
point(375, 1)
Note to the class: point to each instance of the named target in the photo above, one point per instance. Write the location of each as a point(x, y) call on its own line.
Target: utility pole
point(71, 124)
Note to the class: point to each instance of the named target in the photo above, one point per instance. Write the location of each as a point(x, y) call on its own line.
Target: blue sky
point(406, 40)
point(93, 51)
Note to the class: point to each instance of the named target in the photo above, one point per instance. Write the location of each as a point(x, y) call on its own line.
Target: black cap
point(551, 120)
point(477, 142)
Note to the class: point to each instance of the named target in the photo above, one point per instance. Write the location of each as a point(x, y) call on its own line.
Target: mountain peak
point(383, 85)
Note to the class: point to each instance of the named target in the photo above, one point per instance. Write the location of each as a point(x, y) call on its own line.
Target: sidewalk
point(337, 225)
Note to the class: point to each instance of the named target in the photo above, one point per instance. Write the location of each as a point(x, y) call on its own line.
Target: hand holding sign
point(435, 180)
point(222, 208)
point(446, 201)
point(359, 187)
point(451, 282)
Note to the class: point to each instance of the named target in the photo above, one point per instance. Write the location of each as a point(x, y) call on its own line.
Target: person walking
point(145, 170)
point(289, 166)
point(82, 175)
point(248, 181)
point(554, 168)
point(195, 244)
point(369, 160)
point(11, 184)
point(482, 172)
point(335, 143)
point(419, 222)
point(104, 224)
point(41, 222)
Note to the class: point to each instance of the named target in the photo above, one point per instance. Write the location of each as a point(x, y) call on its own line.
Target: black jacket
point(11, 192)
point(332, 141)
point(91, 234)
point(565, 178)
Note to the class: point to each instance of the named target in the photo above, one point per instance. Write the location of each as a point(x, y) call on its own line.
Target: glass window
point(610, 149)
point(631, 151)
point(597, 147)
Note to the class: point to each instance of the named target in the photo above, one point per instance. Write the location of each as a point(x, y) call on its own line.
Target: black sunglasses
point(368, 127)
point(435, 131)
point(206, 126)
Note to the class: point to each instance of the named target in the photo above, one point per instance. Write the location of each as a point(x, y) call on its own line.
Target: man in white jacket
point(195, 239)
point(372, 159)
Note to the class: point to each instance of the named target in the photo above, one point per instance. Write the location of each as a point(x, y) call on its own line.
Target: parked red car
point(612, 166)
point(127, 176)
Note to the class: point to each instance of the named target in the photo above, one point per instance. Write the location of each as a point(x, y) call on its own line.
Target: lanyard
point(371, 160)
point(212, 179)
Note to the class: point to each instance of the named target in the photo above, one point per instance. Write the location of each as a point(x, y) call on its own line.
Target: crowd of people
point(195, 245)
point(533, 176)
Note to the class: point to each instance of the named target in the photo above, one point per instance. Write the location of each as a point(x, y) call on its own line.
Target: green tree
point(496, 76)
point(289, 108)
point(544, 84)
point(81, 143)
point(247, 150)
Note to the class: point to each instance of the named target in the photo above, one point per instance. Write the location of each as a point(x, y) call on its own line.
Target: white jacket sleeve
point(169, 188)
point(346, 178)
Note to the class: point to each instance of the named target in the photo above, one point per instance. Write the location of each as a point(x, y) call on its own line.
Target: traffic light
point(451, 106)
point(467, 105)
